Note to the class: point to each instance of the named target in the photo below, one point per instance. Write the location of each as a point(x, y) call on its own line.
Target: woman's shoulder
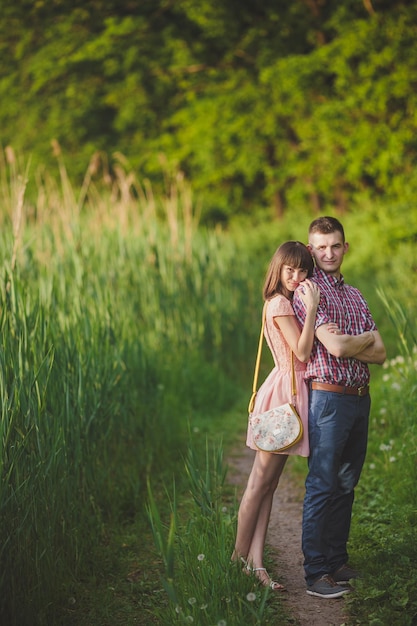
point(279, 305)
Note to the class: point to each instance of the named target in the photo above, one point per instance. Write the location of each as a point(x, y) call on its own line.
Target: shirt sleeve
point(280, 306)
point(322, 316)
point(368, 321)
point(298, 307)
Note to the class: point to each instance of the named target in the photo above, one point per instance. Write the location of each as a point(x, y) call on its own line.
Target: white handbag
point(279, 428)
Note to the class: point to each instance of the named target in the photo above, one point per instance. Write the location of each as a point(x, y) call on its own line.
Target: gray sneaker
point(325, 587)
point(344, 574)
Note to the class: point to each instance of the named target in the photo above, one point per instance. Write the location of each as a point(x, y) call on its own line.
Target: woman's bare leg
point(255, 508)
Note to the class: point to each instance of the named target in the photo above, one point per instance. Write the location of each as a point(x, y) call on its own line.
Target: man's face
point(328, 251)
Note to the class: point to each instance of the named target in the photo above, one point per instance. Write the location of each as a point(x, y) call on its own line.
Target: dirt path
point(284, 535)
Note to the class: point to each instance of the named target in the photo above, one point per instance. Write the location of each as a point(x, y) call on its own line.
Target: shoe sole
point(336, 594)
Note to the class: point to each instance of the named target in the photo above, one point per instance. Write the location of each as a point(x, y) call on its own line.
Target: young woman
point(291, 265)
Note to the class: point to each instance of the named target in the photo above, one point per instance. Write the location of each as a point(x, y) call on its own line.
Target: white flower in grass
point(386, 378)
point(178, 609)
point(372, 466)
point(251, 597)
point(396, 386)
point(196, 429)
point(383, 411)
point(189, 619)
point(201, 557)
point(385, 447)
point(203, 607)
point(392, 459)
point(222, 622)
point(224, 509)
point(192, 601)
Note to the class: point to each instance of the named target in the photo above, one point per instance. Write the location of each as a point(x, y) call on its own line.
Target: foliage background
point(265, 107)
point(154, 155)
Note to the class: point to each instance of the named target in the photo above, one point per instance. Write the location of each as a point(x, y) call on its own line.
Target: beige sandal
point(273, 584)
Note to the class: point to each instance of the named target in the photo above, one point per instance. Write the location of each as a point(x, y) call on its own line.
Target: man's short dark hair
point(326, 225)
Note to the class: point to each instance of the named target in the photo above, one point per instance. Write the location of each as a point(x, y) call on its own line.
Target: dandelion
point(386, 378)
point(201, 557)
point(203, 607)
point(251, 597)
point(384, 447)
point(392, 459)
point(224, 509)
point(192, 601)
point(396, 386)
point(178, 609)
point(189, 619)
point(383, 411)
point(196, 429)
point(372, 466)
point(222, 622)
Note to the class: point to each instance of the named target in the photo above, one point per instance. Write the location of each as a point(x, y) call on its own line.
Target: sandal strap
point(272, 583)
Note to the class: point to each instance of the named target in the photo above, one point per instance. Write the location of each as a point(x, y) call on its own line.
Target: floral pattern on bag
point(276, 429)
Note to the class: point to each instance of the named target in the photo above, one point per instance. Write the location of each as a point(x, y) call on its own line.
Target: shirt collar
point(322, 276)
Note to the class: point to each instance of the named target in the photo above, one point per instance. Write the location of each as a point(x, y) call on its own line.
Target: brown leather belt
point(350, 391)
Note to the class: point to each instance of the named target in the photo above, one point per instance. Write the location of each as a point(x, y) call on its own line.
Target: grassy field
point(127, 343)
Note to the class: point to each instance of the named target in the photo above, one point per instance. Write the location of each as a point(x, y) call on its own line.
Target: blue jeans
point(338, 431)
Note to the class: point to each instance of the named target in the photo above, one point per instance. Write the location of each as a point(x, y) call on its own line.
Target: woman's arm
point(301, 342)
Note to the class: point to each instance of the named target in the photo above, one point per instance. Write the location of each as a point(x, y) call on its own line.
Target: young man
point(338, 379)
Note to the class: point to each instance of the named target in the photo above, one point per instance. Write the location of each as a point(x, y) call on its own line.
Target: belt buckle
point(361, 391)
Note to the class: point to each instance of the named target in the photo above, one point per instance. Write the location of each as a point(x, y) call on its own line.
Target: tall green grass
point(202, 583)
point(118, 335)
point(384, 537)
point(127, 340)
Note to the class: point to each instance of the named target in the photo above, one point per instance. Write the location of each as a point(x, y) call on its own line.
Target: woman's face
point(291, 277)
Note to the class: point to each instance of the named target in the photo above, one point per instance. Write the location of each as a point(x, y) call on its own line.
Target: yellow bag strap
point(258, 362)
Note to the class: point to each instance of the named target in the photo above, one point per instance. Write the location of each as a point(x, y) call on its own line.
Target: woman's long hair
point(292, 253)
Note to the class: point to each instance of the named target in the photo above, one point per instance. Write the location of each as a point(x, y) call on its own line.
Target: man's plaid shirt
point(346, 306)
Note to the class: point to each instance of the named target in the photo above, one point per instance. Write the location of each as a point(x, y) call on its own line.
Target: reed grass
point(202, 583)
point(127, 337)
point(384, 533)
point(111, 318)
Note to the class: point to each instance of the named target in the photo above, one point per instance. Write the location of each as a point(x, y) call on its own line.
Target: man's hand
point(345, 346)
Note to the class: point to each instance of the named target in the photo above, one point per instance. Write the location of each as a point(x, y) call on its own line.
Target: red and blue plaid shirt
point(344, 305)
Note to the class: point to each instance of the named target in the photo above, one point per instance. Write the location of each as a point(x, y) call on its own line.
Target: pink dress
point(276, 389)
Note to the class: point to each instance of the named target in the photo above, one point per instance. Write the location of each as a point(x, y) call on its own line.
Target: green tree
point(260, 104)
